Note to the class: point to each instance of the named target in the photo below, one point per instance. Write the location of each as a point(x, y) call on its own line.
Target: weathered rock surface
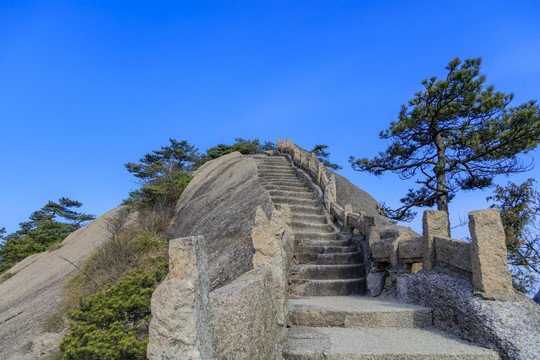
point(511, 328)
point(220, 203)
point(243, 317)
point(34, 292)
point(180, 327)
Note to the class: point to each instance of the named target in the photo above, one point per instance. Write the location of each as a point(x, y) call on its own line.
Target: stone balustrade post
point(289, 147)
point(320, 172)
point(489, 263)
point(180, 326)
point(346, 211)
point(434, 223)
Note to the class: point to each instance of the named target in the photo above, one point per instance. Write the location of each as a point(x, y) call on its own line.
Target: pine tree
point(51, 224)
point(456, 134)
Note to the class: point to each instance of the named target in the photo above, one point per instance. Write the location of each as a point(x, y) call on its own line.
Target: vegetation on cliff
point(520, 212)
point(113, 323)
point(47, 226)
point(456, 134)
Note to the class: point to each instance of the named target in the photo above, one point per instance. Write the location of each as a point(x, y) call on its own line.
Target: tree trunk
point(442, 191)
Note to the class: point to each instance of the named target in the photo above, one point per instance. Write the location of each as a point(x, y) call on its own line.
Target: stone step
point(302, 226)
point(270, 159)
point(306, 210)
point(328, 272)
point(279, 166)
point(309, 235)
point(294, 201)
point(273, 172)
point(280, 178)
point(296, 188)
point(334, 287)
point(319, 343)
point(325, 249)
point(294, 194)
point(304, 242)
point(289, 182)
point(329, 259)
point(357, 312)
point(314, 219)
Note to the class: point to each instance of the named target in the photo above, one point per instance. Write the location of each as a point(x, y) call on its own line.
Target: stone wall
point(243, 317)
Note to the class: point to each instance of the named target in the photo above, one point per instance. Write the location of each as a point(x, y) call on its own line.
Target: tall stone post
point(279, 144)
point(346, 211)
point(320, 171)
point(180, 327)
point(489, 263)
point(434, 223)
point(267, 238)
point(288, 146)
point(330, 194)
point(302, 159)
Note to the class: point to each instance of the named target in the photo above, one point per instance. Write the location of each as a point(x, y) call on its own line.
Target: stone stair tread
point(293, 194)
point(316, 235)
point(318, 343)
point(327, 287)
point(325, 249)
point(327, 272)
point(327, 281)
point(304, 242)
point(357, 311)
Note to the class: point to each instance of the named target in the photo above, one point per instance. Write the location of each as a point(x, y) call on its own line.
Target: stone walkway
point(329, 317)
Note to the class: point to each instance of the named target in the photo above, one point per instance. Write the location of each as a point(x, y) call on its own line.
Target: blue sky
point(87, 86)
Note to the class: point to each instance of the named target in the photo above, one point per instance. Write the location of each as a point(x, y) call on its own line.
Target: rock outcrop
point(512, 328)
point(220, 203)
point(34, 292)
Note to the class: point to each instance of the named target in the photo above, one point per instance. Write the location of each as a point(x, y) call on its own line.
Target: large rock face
point(220, 203)
point(34, 292)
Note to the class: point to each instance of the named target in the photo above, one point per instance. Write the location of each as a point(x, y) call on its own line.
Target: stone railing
point(303, 159)
point(190, 322)
point(398, 249)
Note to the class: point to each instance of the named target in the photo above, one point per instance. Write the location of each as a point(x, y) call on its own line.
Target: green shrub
point(113, 323)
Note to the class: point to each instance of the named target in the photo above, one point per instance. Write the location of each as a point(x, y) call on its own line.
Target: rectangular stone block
point(434, 223)
point(488, 253)
point(411, 251)
point(243, 317)
point(180, 327)
point(453, 254)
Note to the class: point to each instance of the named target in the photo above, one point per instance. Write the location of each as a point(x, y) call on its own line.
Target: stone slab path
point(329, 318)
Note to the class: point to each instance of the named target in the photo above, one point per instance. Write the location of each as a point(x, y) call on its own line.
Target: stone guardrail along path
point(329, 318)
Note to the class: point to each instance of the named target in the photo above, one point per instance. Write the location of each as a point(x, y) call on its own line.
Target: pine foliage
point(456, 134)
point(113, 323)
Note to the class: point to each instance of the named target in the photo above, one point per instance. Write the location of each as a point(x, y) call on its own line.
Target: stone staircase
point(324, 264)
point(328, 317)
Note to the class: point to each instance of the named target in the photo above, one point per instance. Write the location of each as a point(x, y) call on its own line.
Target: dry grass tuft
point(5, 276)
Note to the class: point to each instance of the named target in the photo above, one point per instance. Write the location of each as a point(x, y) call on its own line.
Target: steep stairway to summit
point(324, 264)
point(327, 316)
